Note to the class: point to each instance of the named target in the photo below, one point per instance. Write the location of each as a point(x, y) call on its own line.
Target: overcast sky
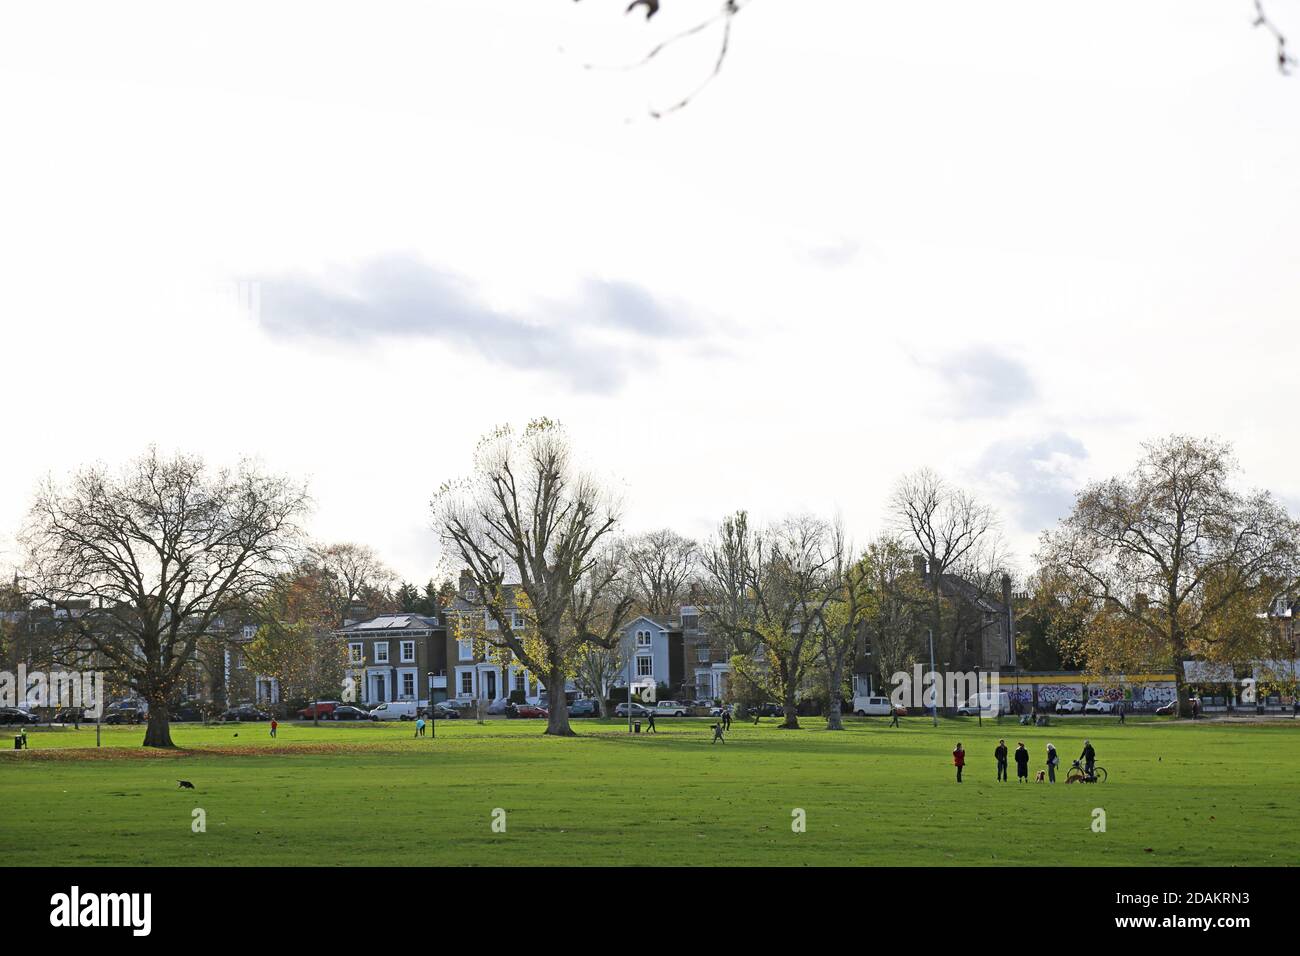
point(1010, 240)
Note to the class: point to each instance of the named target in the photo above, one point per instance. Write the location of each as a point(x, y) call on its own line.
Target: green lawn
point(370, 794)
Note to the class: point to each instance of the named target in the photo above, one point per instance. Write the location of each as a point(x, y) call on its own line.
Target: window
point(490, 621)
point(408, 652)
point(381, 652)
point(518, 620)
point(354, 653)
point(521, 681)
point(408, 685)
point(690, 621)
point(467, 683)
point(466, 646)
point(703, 653)
point(250, 631)
point(642, 638)
point(644, 666)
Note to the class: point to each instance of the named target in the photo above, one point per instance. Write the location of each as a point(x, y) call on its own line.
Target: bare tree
point(842, 618)
point(947, 524)
point(527, 514)
point(662, 564)
point(350, 574)
point(1172, 561)
point(898, 605)
point(155, 558)
point(766, 592)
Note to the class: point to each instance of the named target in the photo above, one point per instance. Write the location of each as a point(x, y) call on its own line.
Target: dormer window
point(642, 638)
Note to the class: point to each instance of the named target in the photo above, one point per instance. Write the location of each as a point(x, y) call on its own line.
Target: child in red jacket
point(959, 760)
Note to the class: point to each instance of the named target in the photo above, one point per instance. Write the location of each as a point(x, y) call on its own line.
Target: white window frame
point(461, 690)
point(648, 639)
point(356, 652)
point(465, 647)
point(381, 652)
point(649, 670)
point(407, 658)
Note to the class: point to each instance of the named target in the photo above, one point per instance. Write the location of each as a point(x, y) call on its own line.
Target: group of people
point(1088, 758)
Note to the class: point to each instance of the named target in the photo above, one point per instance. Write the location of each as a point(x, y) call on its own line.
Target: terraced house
point(397, 657)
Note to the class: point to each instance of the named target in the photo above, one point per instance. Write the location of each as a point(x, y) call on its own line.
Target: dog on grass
point(1040, 777)
point(185, 785)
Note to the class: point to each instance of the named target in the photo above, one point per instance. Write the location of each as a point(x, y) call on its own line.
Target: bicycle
point(1077, 774)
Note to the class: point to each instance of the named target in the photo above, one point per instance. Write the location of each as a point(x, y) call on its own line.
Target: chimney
point(466, 581)
point(918, 564)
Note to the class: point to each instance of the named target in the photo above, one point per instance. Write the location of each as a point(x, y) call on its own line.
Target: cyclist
point(1089, 758)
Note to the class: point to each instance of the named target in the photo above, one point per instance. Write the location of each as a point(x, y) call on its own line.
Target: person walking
point(1122, 707)
point(275, 725)
point(958, 759)
point(893, 716)
point(1295, 706)
point(1001, 754)
point(717, 734)
point(1022, 763)
point(650, 722)
point(726, 718)
point(1053, 760)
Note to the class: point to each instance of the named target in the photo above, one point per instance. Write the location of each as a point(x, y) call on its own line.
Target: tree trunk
point(833, 721)
point(557, 724)
point(1181, 689)
point(791, 721)
point(158, 733)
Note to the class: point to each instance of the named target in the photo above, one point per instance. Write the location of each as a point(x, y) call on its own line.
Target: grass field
point(371, 794)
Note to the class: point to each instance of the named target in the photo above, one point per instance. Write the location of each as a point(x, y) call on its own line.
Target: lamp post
point(433, 711)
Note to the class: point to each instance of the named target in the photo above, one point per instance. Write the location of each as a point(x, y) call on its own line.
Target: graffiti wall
point(1049, 694)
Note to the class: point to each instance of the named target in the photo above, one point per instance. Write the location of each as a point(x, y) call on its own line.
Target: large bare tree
point(1173, 561)
point(948, 526)
point(158, 557)
point(349, 574)
point(662, 564)
point(528, 518)
point(842, 618)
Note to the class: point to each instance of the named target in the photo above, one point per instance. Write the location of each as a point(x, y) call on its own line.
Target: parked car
point(443, 710)
point(865, 706)
point(16, 715)
point(186, 712)
point(322, 709)
point(638, 710)
point(124, 712)
point(584, 708)
point(348, 712)
point(1069, 706)
point(72, 715)
point(245, 713)
point(718, 711)
point(988, 703)
point(769, 709)
point(394, 710)
point(1170, 708)
point(498, 706)
point(670, 708)
point(531, 710)
point(1098, 706)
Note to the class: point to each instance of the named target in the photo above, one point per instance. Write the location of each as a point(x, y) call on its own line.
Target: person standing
point(726, 718)
point(275, 725)
point(958, 759)
point(1053, 759)
point(893, 720)
point(1122, 707)
point(1001, 754)
point(1022, 763)
point(717, 734)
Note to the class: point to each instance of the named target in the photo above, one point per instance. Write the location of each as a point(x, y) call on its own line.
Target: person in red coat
point(959, 760)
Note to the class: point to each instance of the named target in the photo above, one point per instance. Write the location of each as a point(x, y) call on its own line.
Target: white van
point(988, 704)
point(871, 706)
point(394, 710)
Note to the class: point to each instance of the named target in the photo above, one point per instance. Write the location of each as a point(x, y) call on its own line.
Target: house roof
point(391, 622)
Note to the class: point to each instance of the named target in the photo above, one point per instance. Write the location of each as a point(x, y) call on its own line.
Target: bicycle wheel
point(1100, 773)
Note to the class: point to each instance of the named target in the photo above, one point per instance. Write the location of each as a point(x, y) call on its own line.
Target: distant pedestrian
point(650, 722)
point(1022, 763)
point(1053, 760)
point(717, 734)
point(275, 725)
point(893, 716)
point(958, 759)
point(1295, 706)
point(757, 714)
point(726, 718)
point(419, 727)
point(1001, 754)
point(1121, 711)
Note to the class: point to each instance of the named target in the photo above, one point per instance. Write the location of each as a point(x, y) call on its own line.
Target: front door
point(380, 695)
point(491, 684)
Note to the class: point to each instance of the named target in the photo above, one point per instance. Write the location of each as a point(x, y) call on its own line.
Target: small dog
point(1040, 777)
point(185, 785)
